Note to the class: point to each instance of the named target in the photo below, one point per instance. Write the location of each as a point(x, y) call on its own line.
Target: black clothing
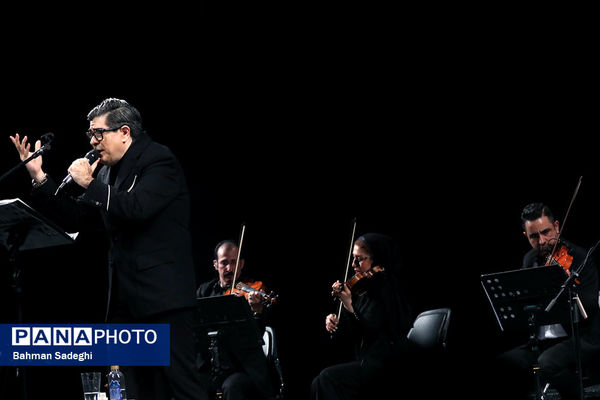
point(379, 325)
point(379, 340)
point(146, 215)
point(210, 289)
point(344, 381)
point(377, 346)
point(213, 288)
point(151, 271)
point(178, 381)
point(557, 358)
point(244, 370)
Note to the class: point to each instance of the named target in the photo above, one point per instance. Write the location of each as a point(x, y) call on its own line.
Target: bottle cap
point(113, 367)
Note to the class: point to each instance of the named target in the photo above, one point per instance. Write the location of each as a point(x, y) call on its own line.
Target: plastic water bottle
point(116, 384)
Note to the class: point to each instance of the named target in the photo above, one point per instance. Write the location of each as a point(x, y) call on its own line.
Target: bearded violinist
point(375, 313)
point(248, 373)
point(556, 359)
point(226, 253)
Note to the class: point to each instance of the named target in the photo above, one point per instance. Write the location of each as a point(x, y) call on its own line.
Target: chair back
point(430, 329)
point(270, 350)
point(269, 347)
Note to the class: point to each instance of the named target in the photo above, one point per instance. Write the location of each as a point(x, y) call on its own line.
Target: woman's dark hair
point(119, 112)
point(382, 250)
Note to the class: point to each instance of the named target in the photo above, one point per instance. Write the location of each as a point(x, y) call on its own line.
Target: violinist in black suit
point(244, 371)
point(557, 357)
point(377, 315)
point(141, 194)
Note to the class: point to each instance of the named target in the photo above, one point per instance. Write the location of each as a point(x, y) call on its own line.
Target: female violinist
point(375, 313)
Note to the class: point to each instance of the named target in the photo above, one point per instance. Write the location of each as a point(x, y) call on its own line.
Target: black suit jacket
point(146, 215)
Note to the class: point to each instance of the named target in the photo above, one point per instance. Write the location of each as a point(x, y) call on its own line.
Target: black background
point(435, 126)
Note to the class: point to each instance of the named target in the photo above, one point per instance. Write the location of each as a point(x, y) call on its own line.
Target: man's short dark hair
point(533, 211)
point(118, 113)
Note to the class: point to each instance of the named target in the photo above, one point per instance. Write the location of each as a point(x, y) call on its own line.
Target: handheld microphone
point(91, 156)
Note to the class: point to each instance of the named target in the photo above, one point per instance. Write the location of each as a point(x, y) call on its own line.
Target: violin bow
point(348, 262)
point(237, 261)
point(564, 220)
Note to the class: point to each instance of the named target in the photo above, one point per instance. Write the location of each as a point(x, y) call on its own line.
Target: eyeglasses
point(98, 133)
point(358, 259)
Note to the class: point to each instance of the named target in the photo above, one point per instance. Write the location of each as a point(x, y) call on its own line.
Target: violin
point(561, 257)
point(560, 252)
point(357, 282)
point(245, 289)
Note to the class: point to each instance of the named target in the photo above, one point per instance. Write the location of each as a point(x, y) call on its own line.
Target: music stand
point(519, 299)
point(514, 294)
point(219, 311)
point(23, 228)
point(225, 319)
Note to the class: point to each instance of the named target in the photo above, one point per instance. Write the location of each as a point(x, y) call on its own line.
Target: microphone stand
point(575, 308)
point(14, 241)
point(36, 154)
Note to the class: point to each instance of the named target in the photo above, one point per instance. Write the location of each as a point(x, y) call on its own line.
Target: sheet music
point(514, 294)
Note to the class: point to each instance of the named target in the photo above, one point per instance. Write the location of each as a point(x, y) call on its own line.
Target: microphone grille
point(92, 155)
point(47, 138)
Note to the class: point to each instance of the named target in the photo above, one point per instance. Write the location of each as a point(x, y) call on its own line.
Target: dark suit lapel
point(103, 174)
point(130, 159)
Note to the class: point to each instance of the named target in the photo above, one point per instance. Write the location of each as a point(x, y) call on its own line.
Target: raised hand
point(34, 167)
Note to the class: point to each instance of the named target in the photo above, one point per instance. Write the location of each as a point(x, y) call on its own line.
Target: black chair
point(428, 359)
point(430, 329)
point(423, 371)
point(270, 350)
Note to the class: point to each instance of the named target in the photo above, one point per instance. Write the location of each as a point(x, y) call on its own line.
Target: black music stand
point(23, 228)
point(224, 319)
point(519, 299)
point(219, 311)
point(514, 294)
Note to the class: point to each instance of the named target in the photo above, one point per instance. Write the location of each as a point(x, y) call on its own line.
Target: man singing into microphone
point(142, 196)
